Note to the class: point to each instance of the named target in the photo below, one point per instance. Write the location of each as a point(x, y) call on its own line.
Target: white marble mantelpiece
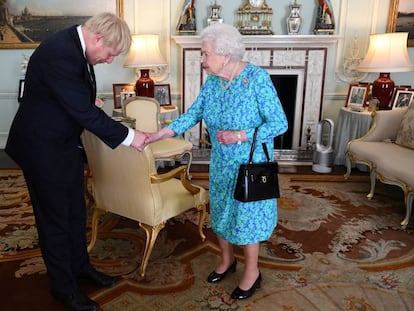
point(267, 41)
point(302, 55)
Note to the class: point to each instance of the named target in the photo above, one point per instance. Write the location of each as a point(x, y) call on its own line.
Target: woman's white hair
point(226, 39)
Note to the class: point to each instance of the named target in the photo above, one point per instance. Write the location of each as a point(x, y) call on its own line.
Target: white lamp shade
point(387, 53)
point(144, 52)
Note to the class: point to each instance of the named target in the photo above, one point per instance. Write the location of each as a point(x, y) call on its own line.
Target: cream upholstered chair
point(145, 111)
point(388, 150)
point(125, 182)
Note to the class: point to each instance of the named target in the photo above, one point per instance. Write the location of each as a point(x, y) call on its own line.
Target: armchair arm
point(176, 172)
point(385, 125)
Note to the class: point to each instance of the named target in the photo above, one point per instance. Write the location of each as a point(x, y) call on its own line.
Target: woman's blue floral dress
point(250, 101)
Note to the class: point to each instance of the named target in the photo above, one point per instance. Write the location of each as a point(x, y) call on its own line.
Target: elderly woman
point(236, 97)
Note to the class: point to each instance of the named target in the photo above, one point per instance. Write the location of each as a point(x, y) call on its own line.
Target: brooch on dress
point(245, 81)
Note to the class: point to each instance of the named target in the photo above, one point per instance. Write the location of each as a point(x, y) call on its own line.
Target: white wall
point(353, 18)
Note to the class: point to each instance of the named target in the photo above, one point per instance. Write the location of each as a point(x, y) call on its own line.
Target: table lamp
point(387, 53)
point(143, 55)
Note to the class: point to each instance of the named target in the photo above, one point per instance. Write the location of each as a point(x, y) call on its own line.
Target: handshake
point(142, 139)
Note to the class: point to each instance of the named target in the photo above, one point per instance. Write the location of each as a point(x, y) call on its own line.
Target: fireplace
point(295, 61)
point(286, 87)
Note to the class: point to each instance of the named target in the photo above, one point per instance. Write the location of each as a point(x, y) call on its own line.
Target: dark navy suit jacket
point(57, 105)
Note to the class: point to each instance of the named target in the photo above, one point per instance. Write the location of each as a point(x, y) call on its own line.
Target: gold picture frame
point(393, 19)
point(11, 27)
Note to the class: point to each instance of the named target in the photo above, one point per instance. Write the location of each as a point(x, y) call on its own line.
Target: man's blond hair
point(114, 30)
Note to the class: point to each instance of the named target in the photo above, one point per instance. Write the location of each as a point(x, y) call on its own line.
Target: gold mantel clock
point(254, 17)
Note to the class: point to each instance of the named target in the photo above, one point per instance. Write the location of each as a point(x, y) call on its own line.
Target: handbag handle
point(254, 145)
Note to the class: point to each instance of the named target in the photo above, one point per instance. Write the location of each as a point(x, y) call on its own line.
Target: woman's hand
point(231, 137)
point(163, 133)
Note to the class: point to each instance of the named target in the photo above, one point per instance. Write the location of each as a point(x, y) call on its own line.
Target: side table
point(350, 125)
point(168, 114)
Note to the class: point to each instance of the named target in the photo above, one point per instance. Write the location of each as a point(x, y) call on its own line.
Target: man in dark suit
point(44, 139)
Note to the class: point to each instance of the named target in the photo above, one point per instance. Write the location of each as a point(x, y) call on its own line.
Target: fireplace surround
point(302, 57)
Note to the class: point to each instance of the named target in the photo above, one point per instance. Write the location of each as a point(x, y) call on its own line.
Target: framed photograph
point(401, 18)
point(119, 88)
point(125, 96)
point(21, 90)
point(403, 98)
point(162, 94)
point(357, 96)
point(30, 22)
point(394, 93)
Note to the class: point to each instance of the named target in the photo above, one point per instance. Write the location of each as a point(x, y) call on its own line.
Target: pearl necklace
point(227, 85)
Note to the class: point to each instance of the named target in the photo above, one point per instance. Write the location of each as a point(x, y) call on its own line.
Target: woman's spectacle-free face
point(211, 62)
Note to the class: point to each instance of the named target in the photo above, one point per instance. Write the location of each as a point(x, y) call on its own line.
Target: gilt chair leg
point(151, 233)
point(190, 160)
point(409, 198)
point(202, 209)
point(373, 177)
point(94, 225)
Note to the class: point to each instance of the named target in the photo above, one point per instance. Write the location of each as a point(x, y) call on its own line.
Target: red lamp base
point(382, 88)
point(144, 85)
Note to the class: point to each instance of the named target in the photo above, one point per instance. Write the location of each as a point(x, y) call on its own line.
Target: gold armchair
point(125, 182)
point(145, 111)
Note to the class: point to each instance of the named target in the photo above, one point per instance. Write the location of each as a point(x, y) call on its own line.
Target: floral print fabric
point(250, 101)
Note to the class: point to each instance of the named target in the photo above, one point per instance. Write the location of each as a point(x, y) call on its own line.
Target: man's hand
point(139, 141)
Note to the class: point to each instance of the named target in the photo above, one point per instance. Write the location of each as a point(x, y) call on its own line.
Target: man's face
point(99, 53)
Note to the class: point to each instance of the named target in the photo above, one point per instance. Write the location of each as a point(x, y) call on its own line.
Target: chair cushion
point(170, 147)
point(405, 135)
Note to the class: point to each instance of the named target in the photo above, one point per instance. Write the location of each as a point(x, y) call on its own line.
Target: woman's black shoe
point(238, 293)
point(215, 277)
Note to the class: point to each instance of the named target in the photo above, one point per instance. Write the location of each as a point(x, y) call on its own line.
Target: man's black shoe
point(97, 278)
point(77, 302)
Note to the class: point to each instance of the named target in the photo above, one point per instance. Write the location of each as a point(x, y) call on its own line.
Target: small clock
point(256, 3)
point(254, 17)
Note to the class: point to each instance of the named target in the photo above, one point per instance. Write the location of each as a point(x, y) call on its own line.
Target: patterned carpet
point(332, 250)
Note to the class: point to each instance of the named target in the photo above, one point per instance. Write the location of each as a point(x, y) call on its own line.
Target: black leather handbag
point(257, 181)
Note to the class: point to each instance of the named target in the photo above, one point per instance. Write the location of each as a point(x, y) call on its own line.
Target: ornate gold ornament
point(254, 17)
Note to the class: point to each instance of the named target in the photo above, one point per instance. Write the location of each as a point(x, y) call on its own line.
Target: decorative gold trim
point(405, 188)
point(151, 233)
point(120, 8)
point(392, 18)
point(202, 211)
point(119, 12)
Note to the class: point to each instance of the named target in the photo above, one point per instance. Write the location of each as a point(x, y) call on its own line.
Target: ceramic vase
point(294, 21)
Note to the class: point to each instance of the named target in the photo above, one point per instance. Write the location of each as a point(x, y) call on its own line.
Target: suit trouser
point(60, 213)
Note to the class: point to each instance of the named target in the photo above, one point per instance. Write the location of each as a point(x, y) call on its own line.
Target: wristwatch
point(239, 138)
